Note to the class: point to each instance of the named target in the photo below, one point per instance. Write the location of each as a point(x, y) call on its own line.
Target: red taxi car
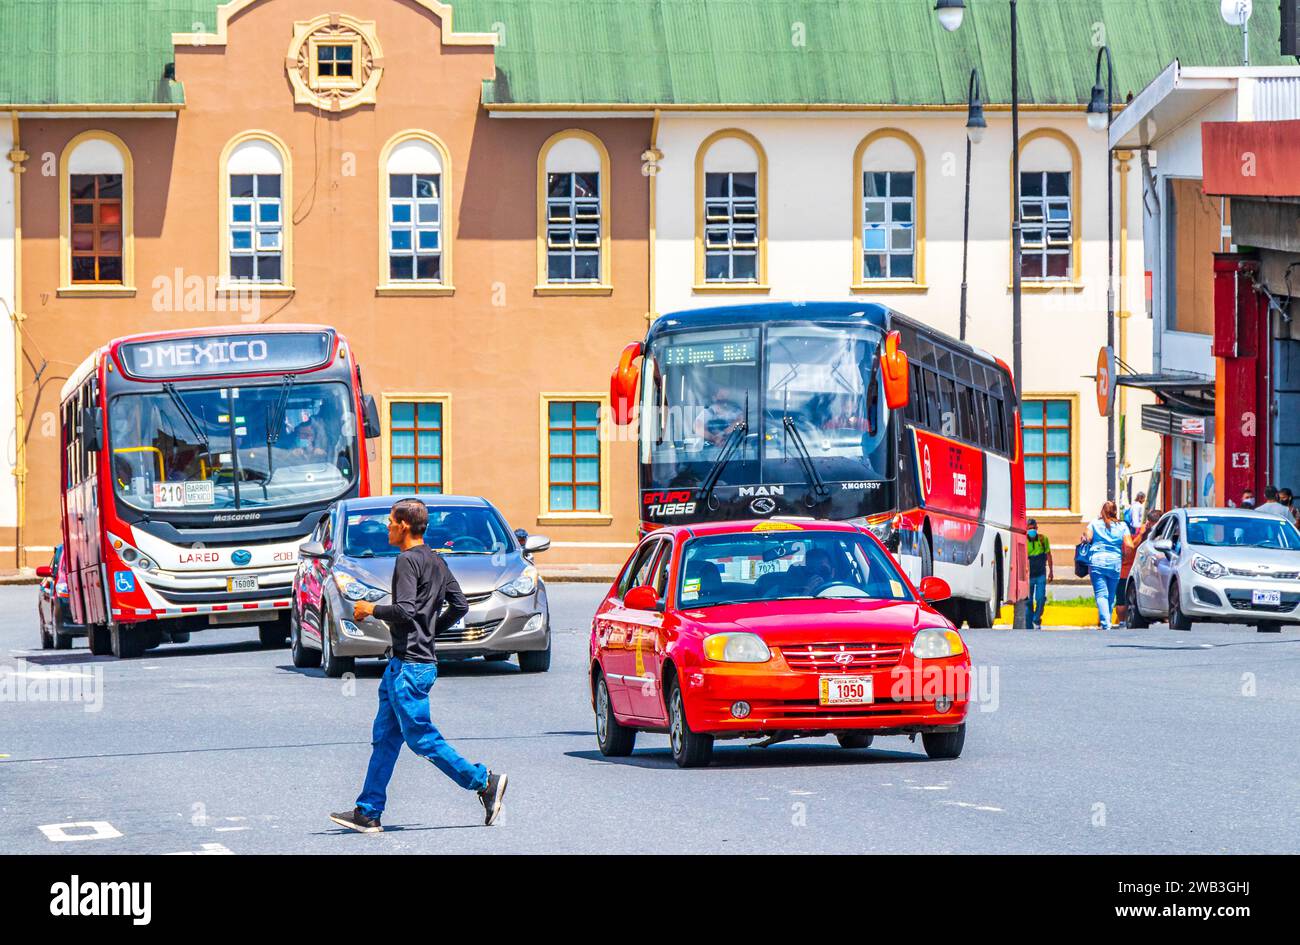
point(774, 630)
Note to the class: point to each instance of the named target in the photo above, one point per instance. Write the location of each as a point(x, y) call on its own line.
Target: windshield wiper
point(190, 420)
point(735, 438)
point(275, 421)
point(820, 491)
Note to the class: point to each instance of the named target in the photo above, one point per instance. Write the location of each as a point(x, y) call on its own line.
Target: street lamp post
point(950, 14)
point(1101, 113)
point(975, 128)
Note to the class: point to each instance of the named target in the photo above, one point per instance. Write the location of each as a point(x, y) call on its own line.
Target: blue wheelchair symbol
point(124, 581)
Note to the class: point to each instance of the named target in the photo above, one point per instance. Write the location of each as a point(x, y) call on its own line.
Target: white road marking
point(100, 830)
point(205, 849)
point(994, 810)
point(929, 787)
point(228, 829)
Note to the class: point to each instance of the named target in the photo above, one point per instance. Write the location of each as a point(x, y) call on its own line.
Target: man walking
point(1271, 505)
point(1040, 572)
point(1136, 513)
point(421, 583)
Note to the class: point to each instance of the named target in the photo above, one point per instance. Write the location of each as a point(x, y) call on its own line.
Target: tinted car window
point(451, 530)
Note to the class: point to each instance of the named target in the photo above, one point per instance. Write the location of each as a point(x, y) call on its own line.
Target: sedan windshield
point(453, 530)
point(785, 564)
point(1239, 531)
point(232, 447)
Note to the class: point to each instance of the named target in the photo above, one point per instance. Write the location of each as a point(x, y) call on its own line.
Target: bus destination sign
point(216, 355)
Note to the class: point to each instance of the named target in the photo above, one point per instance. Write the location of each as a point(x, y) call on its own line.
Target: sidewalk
point(14, 576)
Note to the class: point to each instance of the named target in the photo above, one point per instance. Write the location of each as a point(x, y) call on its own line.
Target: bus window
point(982, 419)
point(915, 409)
point(948, 422)
point(962, 367)
point(934, 412)
point(968, 425)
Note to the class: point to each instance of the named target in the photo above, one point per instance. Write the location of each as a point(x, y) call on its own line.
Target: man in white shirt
point(1271, 505)
point(1136, 513)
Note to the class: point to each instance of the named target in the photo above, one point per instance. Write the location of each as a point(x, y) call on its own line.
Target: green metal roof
point(681, 52)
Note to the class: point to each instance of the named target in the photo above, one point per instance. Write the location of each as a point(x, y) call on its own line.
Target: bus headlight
point(521, 586)
point(353, 589)
point(933, 643)
point(736, 648)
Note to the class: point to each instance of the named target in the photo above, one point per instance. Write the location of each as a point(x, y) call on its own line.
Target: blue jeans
point(403, 716)
point(1037, 600)
point(1105, 584)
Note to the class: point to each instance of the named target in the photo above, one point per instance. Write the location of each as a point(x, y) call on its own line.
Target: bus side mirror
point(370, 416)
point(623, 384)
point(893, 370)
point(92, 428)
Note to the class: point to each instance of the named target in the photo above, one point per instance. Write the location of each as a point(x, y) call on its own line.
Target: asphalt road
point(1135, 741)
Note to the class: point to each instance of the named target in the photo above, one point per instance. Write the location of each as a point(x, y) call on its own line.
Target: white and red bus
point(194, 464)
point(835, 410)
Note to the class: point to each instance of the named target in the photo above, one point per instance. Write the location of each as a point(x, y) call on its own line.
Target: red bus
point(194, 464)
point(835, 410)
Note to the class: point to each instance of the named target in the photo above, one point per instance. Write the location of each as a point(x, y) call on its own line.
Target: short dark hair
point(413, 513)
point(1270, 493)
point(1032, 521)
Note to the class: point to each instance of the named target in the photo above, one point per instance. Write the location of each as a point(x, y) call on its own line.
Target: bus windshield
point(214, 448)
point(774, 399)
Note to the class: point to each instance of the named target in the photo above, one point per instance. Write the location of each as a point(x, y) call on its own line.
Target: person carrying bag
point(1107, 537)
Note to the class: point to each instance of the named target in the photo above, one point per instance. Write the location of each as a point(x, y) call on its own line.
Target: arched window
point(1050, 224)
point(888, 213)
point(96, 208)
point(573, 243)
point(730, 213)
point(415, 215)
point(256, 212)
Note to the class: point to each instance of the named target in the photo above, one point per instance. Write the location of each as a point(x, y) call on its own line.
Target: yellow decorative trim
point(286, 215)
point(917, 284)
point(544, 463)
point(65, 211)
point(445, 285)
point(244, 290)
point(885, 287)
point(1076, 211)
point(333, 94)
point(1073, 397)
point(227, 11)
point(606, 237)
point(1122, 159)
point(386, 399)
point(416, 290)
point(730, 288)
point(701, 285)
point(575, 288)
point(1047, 285)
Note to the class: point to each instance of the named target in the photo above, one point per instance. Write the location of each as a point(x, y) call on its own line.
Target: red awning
point(1250, 158)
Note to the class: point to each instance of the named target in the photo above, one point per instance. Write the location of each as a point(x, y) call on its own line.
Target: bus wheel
point(273, 635)
point(99, 640)
point(126, 643)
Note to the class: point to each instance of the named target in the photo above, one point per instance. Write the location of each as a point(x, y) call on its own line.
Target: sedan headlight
point(353, 589)
point(736, 648)
point(934, 643)
point(1208, 567)
point(521, 586)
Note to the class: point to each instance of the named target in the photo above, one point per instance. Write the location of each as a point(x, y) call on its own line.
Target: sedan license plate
point(244, 583)
point(846, 690)
point(1266, 598)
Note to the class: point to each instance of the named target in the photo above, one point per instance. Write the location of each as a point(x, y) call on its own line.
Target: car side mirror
point(44, 571)
point(934, 589)
point(370, 417)
point(312, 549)
point(536, 543)
point(893, 369)
point(1163, 545)
point(642, 597)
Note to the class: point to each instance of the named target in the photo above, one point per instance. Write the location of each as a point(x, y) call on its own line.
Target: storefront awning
point(1170, 421)
point(1188, 393)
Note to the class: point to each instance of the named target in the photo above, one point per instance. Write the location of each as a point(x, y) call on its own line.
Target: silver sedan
point(1209, 565)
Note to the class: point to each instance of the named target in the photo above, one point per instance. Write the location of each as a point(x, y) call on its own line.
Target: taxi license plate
point(246, 583)
point(846, 690)
point(1266, 598)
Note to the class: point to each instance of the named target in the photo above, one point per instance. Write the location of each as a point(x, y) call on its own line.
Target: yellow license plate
point(248, 583)
point(846, 690)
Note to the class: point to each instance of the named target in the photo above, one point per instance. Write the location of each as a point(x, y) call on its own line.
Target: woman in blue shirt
point(1107, 538)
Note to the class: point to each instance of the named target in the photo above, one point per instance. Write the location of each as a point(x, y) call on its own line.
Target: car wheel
point(1177, 619)
point(302, 657)
point(1268, 626)
point(331, 664)
point(614, 739)
point(1135, 618)
point(689, 749)
point(273, 635)
point(940, 745)
point(100, 641)
point(535, 661)
point(854, 740)
point(126, 642)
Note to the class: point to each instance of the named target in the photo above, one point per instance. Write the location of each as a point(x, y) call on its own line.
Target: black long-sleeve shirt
point(421, 582)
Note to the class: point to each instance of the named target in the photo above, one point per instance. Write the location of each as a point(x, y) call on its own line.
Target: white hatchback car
point(1209, 565)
